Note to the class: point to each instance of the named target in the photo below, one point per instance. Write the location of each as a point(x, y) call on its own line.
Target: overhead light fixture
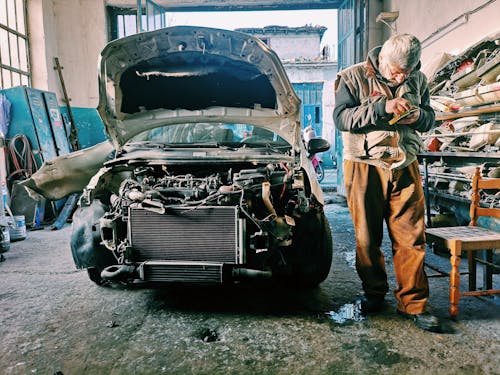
point(388, 18)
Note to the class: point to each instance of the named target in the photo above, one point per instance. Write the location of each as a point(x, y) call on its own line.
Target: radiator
point(207, 234)
point(190, 272)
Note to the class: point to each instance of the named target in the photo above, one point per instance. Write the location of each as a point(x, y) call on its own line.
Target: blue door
point(311, 97)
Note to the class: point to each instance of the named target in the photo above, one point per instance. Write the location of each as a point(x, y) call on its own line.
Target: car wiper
point(145, 144)
point(268, 146)
point(194, 145)
point(201, 145)
point(161, 145)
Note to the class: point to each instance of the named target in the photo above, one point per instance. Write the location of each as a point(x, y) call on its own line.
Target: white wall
point(81, 27)
point(424, 17)
point(75, 32)
point(43, 43)
point(289, 46)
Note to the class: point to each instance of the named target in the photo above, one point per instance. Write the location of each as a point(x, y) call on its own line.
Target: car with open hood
point(205, 178)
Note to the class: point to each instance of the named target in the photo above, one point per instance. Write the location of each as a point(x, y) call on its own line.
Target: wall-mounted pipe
point(426, 42)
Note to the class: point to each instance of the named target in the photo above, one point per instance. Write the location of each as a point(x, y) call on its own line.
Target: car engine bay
point(241, 219)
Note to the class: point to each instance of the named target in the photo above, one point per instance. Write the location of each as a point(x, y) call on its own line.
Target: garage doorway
point(344, 42)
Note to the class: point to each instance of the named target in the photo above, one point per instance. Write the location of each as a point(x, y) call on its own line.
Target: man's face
point(393, 73)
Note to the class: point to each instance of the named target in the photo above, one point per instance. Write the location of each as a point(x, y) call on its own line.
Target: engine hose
point(266, 198)
point(247, 273)
point(117, 272)
point(22, 159)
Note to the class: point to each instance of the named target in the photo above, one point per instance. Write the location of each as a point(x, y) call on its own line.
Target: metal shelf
point(443, 116)
point(447, 154)
point(451, 197)
point(454, 159)
point(449, 176)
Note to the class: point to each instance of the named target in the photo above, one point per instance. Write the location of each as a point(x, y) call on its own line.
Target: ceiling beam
point(224, 5)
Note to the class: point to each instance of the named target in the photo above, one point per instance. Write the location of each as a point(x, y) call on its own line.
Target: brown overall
point(375, 195)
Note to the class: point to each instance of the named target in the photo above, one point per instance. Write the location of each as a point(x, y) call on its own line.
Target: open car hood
point(189, 74)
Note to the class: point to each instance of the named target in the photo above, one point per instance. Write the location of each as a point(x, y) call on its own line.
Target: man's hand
point(397, 106)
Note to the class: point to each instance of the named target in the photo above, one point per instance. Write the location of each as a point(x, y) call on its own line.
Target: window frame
point(113, 14)
point(152, 18)
point(15, 65)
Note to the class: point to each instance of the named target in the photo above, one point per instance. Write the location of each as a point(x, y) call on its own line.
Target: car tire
point(312, 258)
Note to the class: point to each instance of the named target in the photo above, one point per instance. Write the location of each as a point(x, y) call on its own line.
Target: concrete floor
point(54, 320)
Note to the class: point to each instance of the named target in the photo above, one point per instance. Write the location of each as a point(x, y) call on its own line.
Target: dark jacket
point(360, 96)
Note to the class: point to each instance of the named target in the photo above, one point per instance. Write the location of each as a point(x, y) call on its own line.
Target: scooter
point(317, 163)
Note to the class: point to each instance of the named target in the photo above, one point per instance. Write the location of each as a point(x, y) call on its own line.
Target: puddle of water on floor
point(346, 313)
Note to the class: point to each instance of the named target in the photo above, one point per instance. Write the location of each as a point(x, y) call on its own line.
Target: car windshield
point(211, 134)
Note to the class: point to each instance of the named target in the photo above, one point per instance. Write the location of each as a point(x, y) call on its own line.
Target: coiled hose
point(21, 158)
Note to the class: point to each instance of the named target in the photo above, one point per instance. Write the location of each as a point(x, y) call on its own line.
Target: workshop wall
point(43, 44)
point(431, 22)
point(74, 31)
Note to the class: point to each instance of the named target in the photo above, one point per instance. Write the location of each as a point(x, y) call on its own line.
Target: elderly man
point(381, 172)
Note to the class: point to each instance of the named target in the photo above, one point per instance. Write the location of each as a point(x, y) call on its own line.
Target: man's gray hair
point(403, 50)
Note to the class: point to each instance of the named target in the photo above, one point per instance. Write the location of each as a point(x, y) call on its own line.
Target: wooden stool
point(469, 238)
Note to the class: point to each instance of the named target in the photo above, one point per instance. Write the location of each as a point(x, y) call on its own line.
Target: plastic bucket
point(4, 239)
point(18, 229)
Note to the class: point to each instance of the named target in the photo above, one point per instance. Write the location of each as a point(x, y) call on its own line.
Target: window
point(14, 47)
point(123, 21)
point(153, 16)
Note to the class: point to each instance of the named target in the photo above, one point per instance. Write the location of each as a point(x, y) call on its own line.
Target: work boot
point(425, 321)
point(371, 304)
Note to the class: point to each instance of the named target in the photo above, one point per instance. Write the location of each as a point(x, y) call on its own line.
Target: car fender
point(69, 173)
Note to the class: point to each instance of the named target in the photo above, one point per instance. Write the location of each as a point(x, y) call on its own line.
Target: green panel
point(57, 125)
point(42, 125)
point(89, 125)
point(29, 117)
